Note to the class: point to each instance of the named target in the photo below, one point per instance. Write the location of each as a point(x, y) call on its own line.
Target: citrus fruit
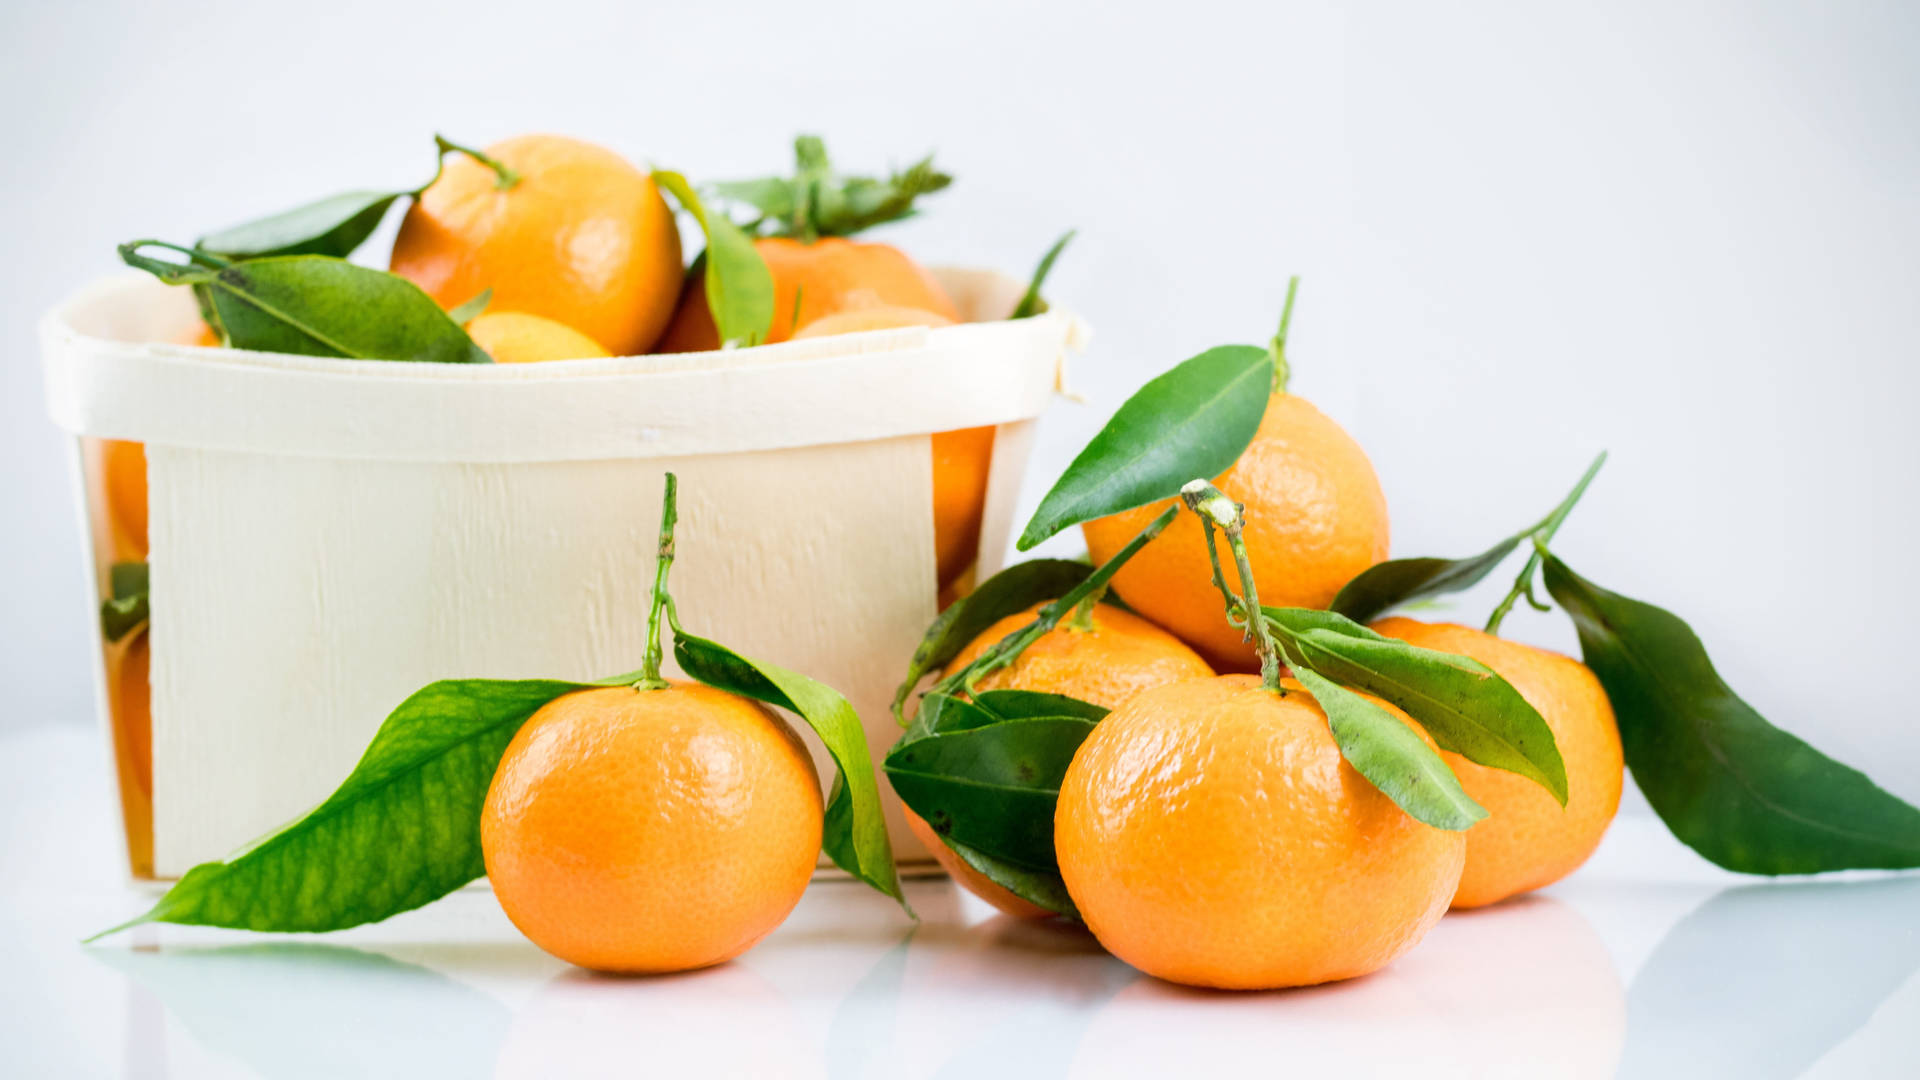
point(1528, 840)
point(574, 233)
point(1211, 834)
point(962, 459)
point(651, 830)
point(124, 466)
point(133, 749)
point(814, 280)
point(1315, 517)
point(514, 337)
point(1119, 656)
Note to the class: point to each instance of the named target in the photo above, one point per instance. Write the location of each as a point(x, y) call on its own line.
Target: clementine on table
point(1118, 655)
point(962, 459)
point(514, 337)
point(1315, 518)
point(812, 280)
point(565, 230)
point(1211, 834)
point(1529, 841)
point(651, 830)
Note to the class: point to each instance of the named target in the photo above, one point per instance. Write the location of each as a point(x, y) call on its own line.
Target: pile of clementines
point(1206, 742)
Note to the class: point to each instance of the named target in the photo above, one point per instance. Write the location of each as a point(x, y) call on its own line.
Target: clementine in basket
point(1528, 840)
point(1211, 834)
point(514, 337)
point(651, 830)
point(133, 748)
point(962, 459)
point(1315, 518)
point(805, 221)
point(1104, 659)
point(556, 227)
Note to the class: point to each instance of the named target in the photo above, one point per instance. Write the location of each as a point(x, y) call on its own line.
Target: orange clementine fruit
point(651, 830)
point(814, 280)
point(581, 237)
point(1315, 517)
point(962, 459)
point(1121, 655)
point(132, 701)
point(514, 337)
point(1528, 841)
point(124, 466)
point(1211, 834)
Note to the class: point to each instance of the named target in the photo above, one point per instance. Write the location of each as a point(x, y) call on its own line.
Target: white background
point(1683, 232)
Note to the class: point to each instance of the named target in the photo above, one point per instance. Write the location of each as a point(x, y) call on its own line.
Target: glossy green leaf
point(334, 226)
point(126, 607)
point(1008, 592)
point(1031, 303)
point(1031, 704)
point(1195, 420)
point(472, 309)
point(401, 831)
point(738, 285)
point(941, 713)
point(1392, 756)
point(1733, 787)
point(1040, 887)
point(1466, 707)
point(312, 305)
point(991, 788)
point(1384, 586)
point(856, 832)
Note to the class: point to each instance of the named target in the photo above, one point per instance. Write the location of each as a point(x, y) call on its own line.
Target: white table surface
point(1647, 963)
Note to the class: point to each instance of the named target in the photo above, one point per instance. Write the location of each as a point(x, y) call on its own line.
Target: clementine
point(514, 337)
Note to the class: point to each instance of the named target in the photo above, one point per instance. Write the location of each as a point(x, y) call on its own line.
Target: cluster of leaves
point(817, 201)
point(282, 283)
point(403, 829)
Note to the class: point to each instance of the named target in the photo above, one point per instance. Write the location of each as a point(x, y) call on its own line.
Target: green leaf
point(1040, 887)
point(401, 831)
point(333, 226)
point(1731, 786)
point(1030, 303)
point(816, 201)
point(1031, 704)
point(738, 284)
point(1392, 756)
point(855, 835)
point(991, 788)
point(312, 305)
point(1008, 592)
point(472, 309)
point(1466, 707)
point(126, 607)
point(940, 713)
point(1192, 421)
point(1384, 586)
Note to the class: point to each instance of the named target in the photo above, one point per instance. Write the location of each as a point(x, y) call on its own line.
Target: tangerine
point(514, 337)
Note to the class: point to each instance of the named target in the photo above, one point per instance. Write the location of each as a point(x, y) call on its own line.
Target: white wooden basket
point(326, 536)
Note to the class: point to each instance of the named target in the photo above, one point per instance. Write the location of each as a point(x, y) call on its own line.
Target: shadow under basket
point(324, 537)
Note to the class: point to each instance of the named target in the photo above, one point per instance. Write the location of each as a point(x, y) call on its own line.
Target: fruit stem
point(1278, 347)
point(1082, 620)
point(1008, 649)
point(669, 515)
point(1214, 508)
point(1542, 534)
point(505, 177)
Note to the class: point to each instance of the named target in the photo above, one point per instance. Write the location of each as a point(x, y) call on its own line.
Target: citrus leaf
point(335, 226)
point(1030, 303)
point(126, 607)
point(1741, 792)
point(1195, 420)
point(738, 284)
point(1384, 586)
point(1031, 704)
point(1039, 887)
point(313, 305)
point(472, 309)
point(991, 788)
point(1008, 592)
point(941, 713)
point(1393, 757)
point(1467, 707)
point(402, 830)
point(855, 835)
